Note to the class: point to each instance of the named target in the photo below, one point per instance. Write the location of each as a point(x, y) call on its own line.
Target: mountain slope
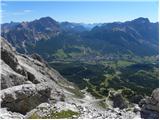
point(28, 33)
point(139, 37)
point(27, 81)
point(52, 39)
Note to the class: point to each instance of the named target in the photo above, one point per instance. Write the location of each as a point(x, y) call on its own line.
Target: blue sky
point(86, 12)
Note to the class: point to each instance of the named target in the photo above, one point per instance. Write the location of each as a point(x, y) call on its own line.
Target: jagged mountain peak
point(139, 33)
point(47, 20)
point(141, 20)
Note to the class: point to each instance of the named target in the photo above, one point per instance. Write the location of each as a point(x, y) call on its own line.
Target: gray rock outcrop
point(24, 98)
point(150, 106)
point(118, 100)
point(28, 81)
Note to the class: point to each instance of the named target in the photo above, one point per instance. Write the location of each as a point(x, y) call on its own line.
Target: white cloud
point(27, 11)
point(21, 12)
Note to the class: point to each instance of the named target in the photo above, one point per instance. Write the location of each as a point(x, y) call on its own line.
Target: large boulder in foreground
point(150, 106)
point(24, 98)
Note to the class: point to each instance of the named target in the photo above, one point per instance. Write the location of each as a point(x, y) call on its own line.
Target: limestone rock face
point(9, 77)
point(24, 98)
point(28, 81)
point(8, 55)
point(150, 106)
point(155, 95)
point(37, 57)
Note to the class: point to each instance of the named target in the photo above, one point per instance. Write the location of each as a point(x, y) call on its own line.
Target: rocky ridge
point(46, 36)
point(27, 81)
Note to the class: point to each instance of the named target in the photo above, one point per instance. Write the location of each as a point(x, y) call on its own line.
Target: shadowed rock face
point(24, 98)
point(12, 73)
point(18, 95)
point(118, 100)
point(150, 106)
point(9, 57)
point(30, 32)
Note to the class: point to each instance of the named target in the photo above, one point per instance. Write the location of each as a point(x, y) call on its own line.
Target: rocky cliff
point(27, 81)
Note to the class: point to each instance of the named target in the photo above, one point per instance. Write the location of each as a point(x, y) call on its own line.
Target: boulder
point(24, 98)
point(119, 101)
point(150, 106)
point(155, 95)
point(136, 98)
point(136, 108)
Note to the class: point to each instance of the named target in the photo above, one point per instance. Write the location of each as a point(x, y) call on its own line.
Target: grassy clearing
point(122, 63)
point(60, 54)
point(56, 115)
point(117, 64)
point(63, 114)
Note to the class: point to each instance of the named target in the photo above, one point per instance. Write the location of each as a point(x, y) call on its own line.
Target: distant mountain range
point(53, 39)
